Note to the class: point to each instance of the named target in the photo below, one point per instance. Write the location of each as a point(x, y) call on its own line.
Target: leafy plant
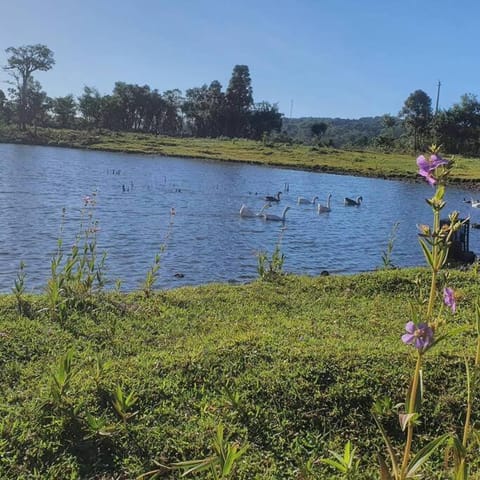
point(75, 276)
point(19, 291)
point(344, 464)
point(422, 332)
point(270, 268)
point(123, 403)
point(387, 254)
point(152, 273)
point(60, 379)
point(220, 465)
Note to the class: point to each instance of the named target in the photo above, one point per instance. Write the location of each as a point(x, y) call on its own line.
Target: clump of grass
point(152, 273)
point(76, 276)
point(387, 261)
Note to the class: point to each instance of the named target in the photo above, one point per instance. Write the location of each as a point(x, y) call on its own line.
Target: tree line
point(205, 111)
point(209, 111)
point(416, 126)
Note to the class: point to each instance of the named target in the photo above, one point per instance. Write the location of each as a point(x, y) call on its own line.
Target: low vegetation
point(290, 367)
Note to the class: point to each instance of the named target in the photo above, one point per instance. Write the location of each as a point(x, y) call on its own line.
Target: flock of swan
point(321, 208)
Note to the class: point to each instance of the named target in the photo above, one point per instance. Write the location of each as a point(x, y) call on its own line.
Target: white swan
point(475, 203)
point(349, 202)
point(276, 198)
point(276, 218)
point(248, 213)
point(325, 208)
point(303, 200)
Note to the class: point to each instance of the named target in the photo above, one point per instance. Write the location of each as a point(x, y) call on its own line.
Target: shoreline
point(297, 157)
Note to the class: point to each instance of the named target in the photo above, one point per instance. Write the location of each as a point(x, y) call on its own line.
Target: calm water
point(209, 241)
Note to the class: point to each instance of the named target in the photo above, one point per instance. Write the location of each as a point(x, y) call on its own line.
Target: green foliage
point(417, 115)
point(290, 368)
point(152, 273)
point(387, 254)
point(123, 403)
point(22, 62)
point(61, 379)
point(345, 464)
point(19, 291)
point(75, 277)
point(221, 464)
point(270, 268)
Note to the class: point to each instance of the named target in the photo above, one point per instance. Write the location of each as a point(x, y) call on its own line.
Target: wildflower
point(426, 167)
point(3, 334)
point(420, 336)
point(449, 299)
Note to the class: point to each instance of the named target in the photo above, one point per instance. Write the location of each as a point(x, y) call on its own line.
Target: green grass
point(365, 163)
point(290, 368)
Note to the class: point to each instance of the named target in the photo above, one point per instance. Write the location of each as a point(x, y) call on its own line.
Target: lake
point(208, 241)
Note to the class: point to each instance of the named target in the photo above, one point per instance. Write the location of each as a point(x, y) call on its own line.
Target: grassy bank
point(291, 368)
point(363, 163)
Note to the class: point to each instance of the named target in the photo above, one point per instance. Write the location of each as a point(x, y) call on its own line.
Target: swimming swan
point(276, 218)
point(325, 208)
point(303, 200)
point(349, 202)
point(248, 213)
point(475, 203)
point(276, 198)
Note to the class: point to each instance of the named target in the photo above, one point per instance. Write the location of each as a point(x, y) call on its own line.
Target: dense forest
point(211, 111)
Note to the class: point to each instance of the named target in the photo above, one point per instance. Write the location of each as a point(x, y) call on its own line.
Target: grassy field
point(289, 367)
point(363, 163)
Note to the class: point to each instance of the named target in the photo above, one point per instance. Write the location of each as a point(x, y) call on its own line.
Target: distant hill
point(341, 132)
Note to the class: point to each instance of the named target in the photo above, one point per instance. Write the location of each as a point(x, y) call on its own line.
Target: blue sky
point(332, 58)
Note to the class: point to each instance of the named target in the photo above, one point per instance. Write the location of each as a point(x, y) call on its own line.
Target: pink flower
point(449, 299)
point(426, 167)
point(420, 336)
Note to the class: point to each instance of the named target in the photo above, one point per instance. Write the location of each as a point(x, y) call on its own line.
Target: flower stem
point(435, 265)
point(411, 408)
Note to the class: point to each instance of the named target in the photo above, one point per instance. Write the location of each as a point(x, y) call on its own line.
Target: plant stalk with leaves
point(423, 331)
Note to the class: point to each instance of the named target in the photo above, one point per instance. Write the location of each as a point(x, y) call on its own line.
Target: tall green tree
point(264, 118)
point(318, 129)
point(239, 101)
point(216, 107)
point(171, 118)
point(64, 110)
point(197, 111)
point(458, 128)
point(417, 115)
point(90, 106)
point(22, 62)
point(36, 105)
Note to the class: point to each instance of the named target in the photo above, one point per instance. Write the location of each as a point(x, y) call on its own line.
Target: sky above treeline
point(314, 58)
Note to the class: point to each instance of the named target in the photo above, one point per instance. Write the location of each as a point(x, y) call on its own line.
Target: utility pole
point(291, 108)
point(438, 97)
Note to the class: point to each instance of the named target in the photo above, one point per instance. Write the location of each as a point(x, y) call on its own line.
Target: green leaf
point(426, 252)
point(390, 449)
point(424, 454)
point(440, 193)
point(195, 466)
point(337, 465)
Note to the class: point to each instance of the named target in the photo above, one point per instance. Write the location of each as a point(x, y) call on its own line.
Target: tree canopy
point(22, 62)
